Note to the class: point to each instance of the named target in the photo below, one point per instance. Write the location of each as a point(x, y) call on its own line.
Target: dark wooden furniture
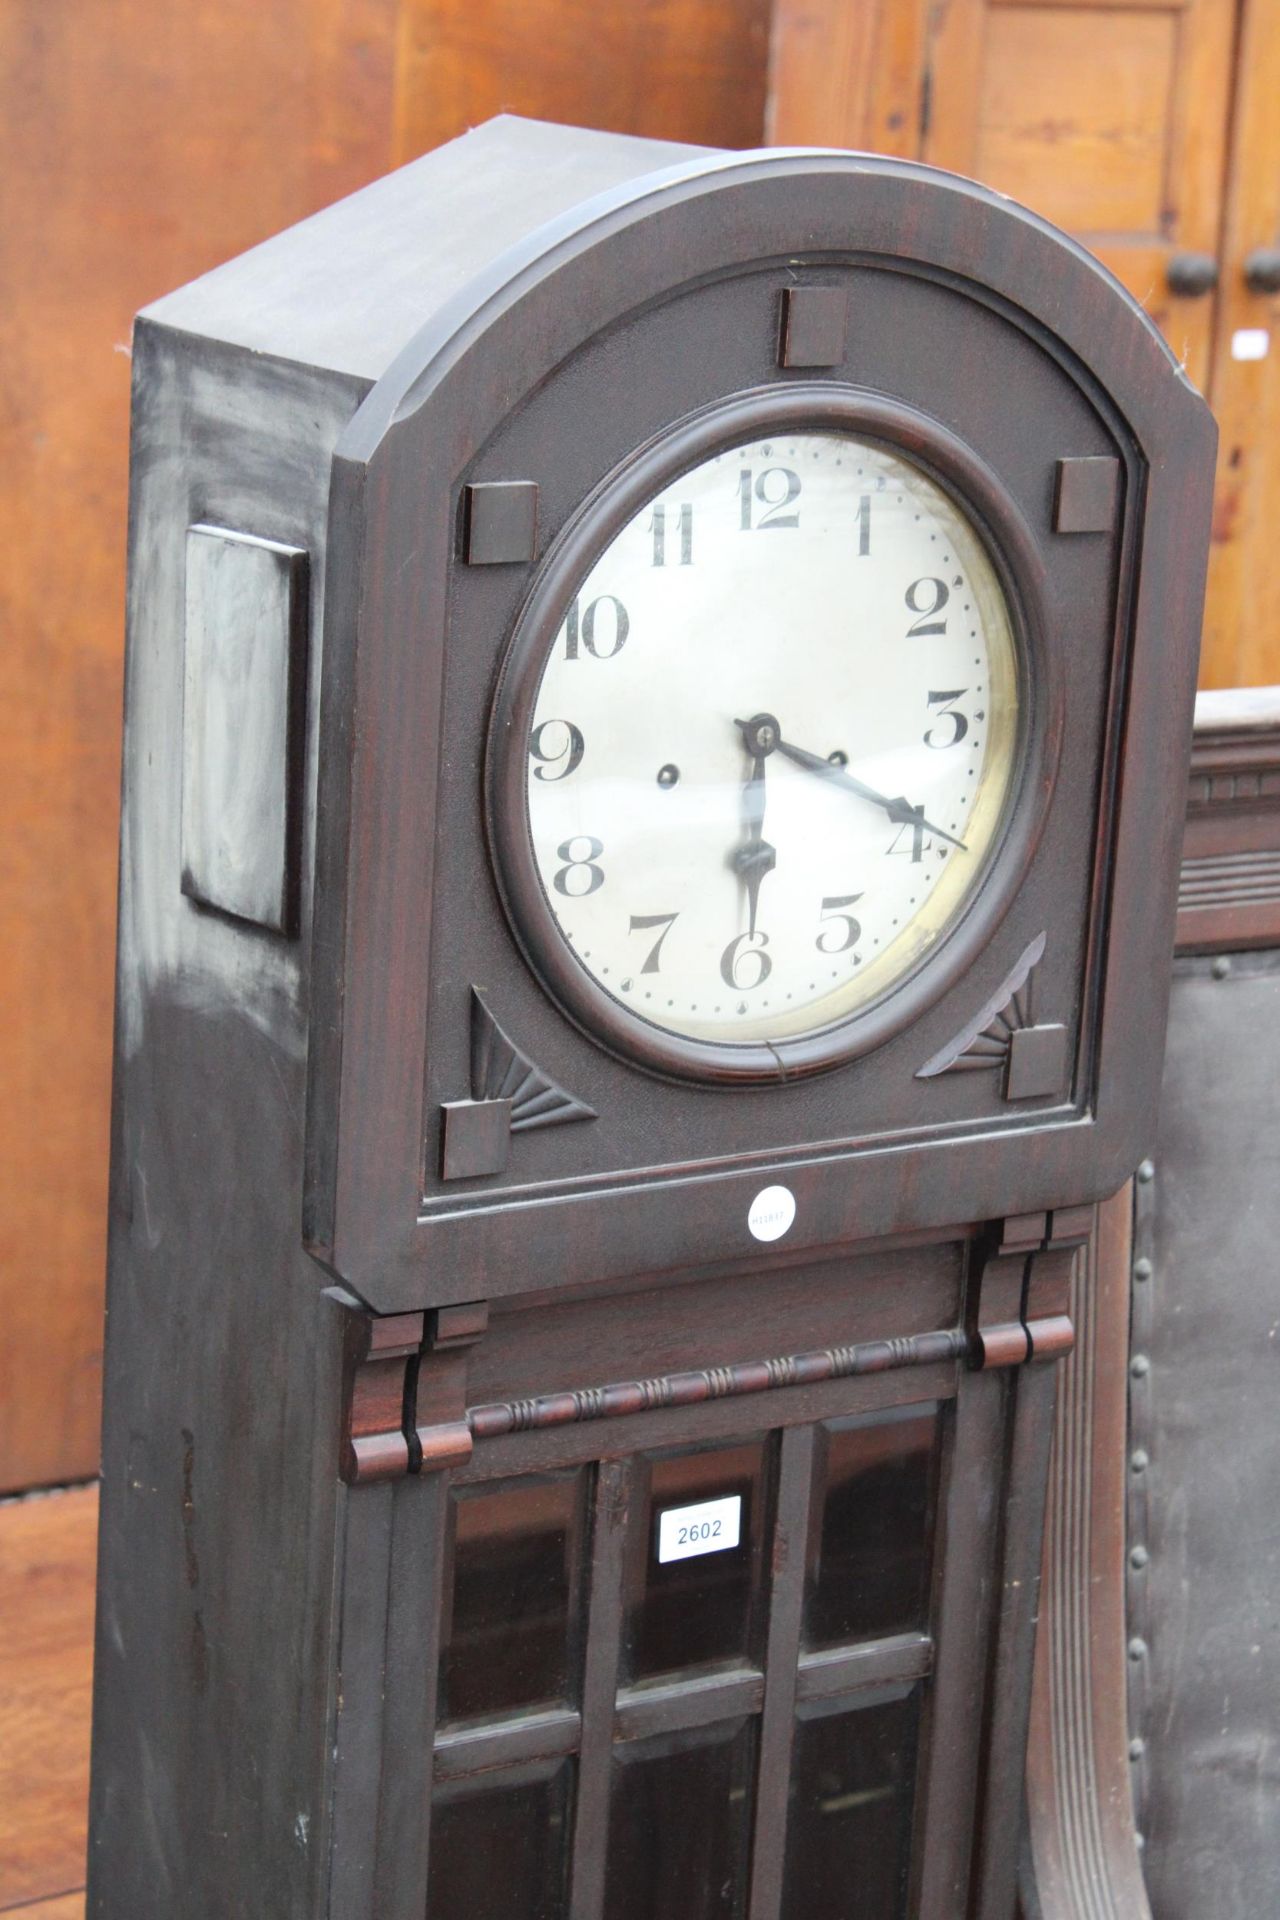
point(1201, 1571)
point(430, 1310)
point(1156, 1705)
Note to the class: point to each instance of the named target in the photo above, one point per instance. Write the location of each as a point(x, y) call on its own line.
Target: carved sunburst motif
point(499, 1071)
point(985, 1040)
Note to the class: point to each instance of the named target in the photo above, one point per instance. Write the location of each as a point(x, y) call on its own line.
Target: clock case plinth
point(317, 1342)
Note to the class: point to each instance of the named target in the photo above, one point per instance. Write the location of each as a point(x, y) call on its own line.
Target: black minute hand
point(899, 810)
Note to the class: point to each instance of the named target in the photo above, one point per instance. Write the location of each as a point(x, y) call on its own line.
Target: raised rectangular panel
point(1086, 495)
point(241, 724)
point(1087, 152)
point(501, 522)
point(814, 325)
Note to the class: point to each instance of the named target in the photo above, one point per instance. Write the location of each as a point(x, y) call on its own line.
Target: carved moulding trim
point(984, 1041)
point(1081, 1861)
point(1229, 889)
point(500, 1071)
point(1210, 787)
point(628, 1397)
point(1235, 755)
point(1246, 879)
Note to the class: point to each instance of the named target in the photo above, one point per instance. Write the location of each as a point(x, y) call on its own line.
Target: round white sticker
point(771, 1212)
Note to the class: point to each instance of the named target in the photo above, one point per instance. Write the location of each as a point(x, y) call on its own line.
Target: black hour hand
point(752, 861)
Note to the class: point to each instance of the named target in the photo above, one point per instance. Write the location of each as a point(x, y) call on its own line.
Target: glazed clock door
point(709, 1678)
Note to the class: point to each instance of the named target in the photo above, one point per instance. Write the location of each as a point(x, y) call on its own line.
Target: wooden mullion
point(358, 1736)
point(786, 1615)
point(965, 1555)
point(507, 1743)
point(599, 1689)
point(415, 1617)
point(877, 1663)
point(684, 1704)
point(1023, 1545)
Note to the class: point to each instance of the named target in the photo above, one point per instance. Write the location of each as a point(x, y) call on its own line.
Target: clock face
point(773, 740)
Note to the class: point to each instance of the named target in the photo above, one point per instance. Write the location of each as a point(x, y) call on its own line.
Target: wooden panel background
point(46, 1660)
point(691, 70)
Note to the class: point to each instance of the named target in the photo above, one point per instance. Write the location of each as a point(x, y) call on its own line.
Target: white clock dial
point(773, 739)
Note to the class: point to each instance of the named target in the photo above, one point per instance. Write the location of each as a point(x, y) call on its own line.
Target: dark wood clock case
point(429, 1293)
point(642, 317)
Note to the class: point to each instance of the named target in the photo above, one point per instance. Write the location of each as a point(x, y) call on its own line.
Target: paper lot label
point(709, 1527)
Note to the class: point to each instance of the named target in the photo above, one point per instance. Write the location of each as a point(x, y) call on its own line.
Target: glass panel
point(849, 1828)
point(679, 1826)
point(499, 1846)
point(511, 1639)
point(699, 1604)
point(872, 1548)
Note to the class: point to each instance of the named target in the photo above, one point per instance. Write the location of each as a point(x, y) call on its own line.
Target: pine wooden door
point(1145, 127)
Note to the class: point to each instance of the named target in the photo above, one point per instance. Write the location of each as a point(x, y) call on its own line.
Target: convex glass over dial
point(773, 739)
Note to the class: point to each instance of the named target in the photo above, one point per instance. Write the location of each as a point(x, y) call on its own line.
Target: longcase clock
point(655, 684)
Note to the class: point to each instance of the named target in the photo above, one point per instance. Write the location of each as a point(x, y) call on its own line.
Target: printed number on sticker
point(710, 1527)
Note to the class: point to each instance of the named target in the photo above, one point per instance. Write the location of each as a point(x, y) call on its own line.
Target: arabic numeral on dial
point(916, 827)
point(927, 597)
point(832, 911)
point(774, 490)
point(641, 922)
point(940, 736)
point(601, 628)
point(744, 964)
point(683, 526)
point(564, 753)
point(590, 876)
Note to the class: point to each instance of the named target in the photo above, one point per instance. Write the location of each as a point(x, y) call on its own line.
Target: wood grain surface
point(671, 69)
point(46, 1658)
point(68, 1906)
point(844, 75)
